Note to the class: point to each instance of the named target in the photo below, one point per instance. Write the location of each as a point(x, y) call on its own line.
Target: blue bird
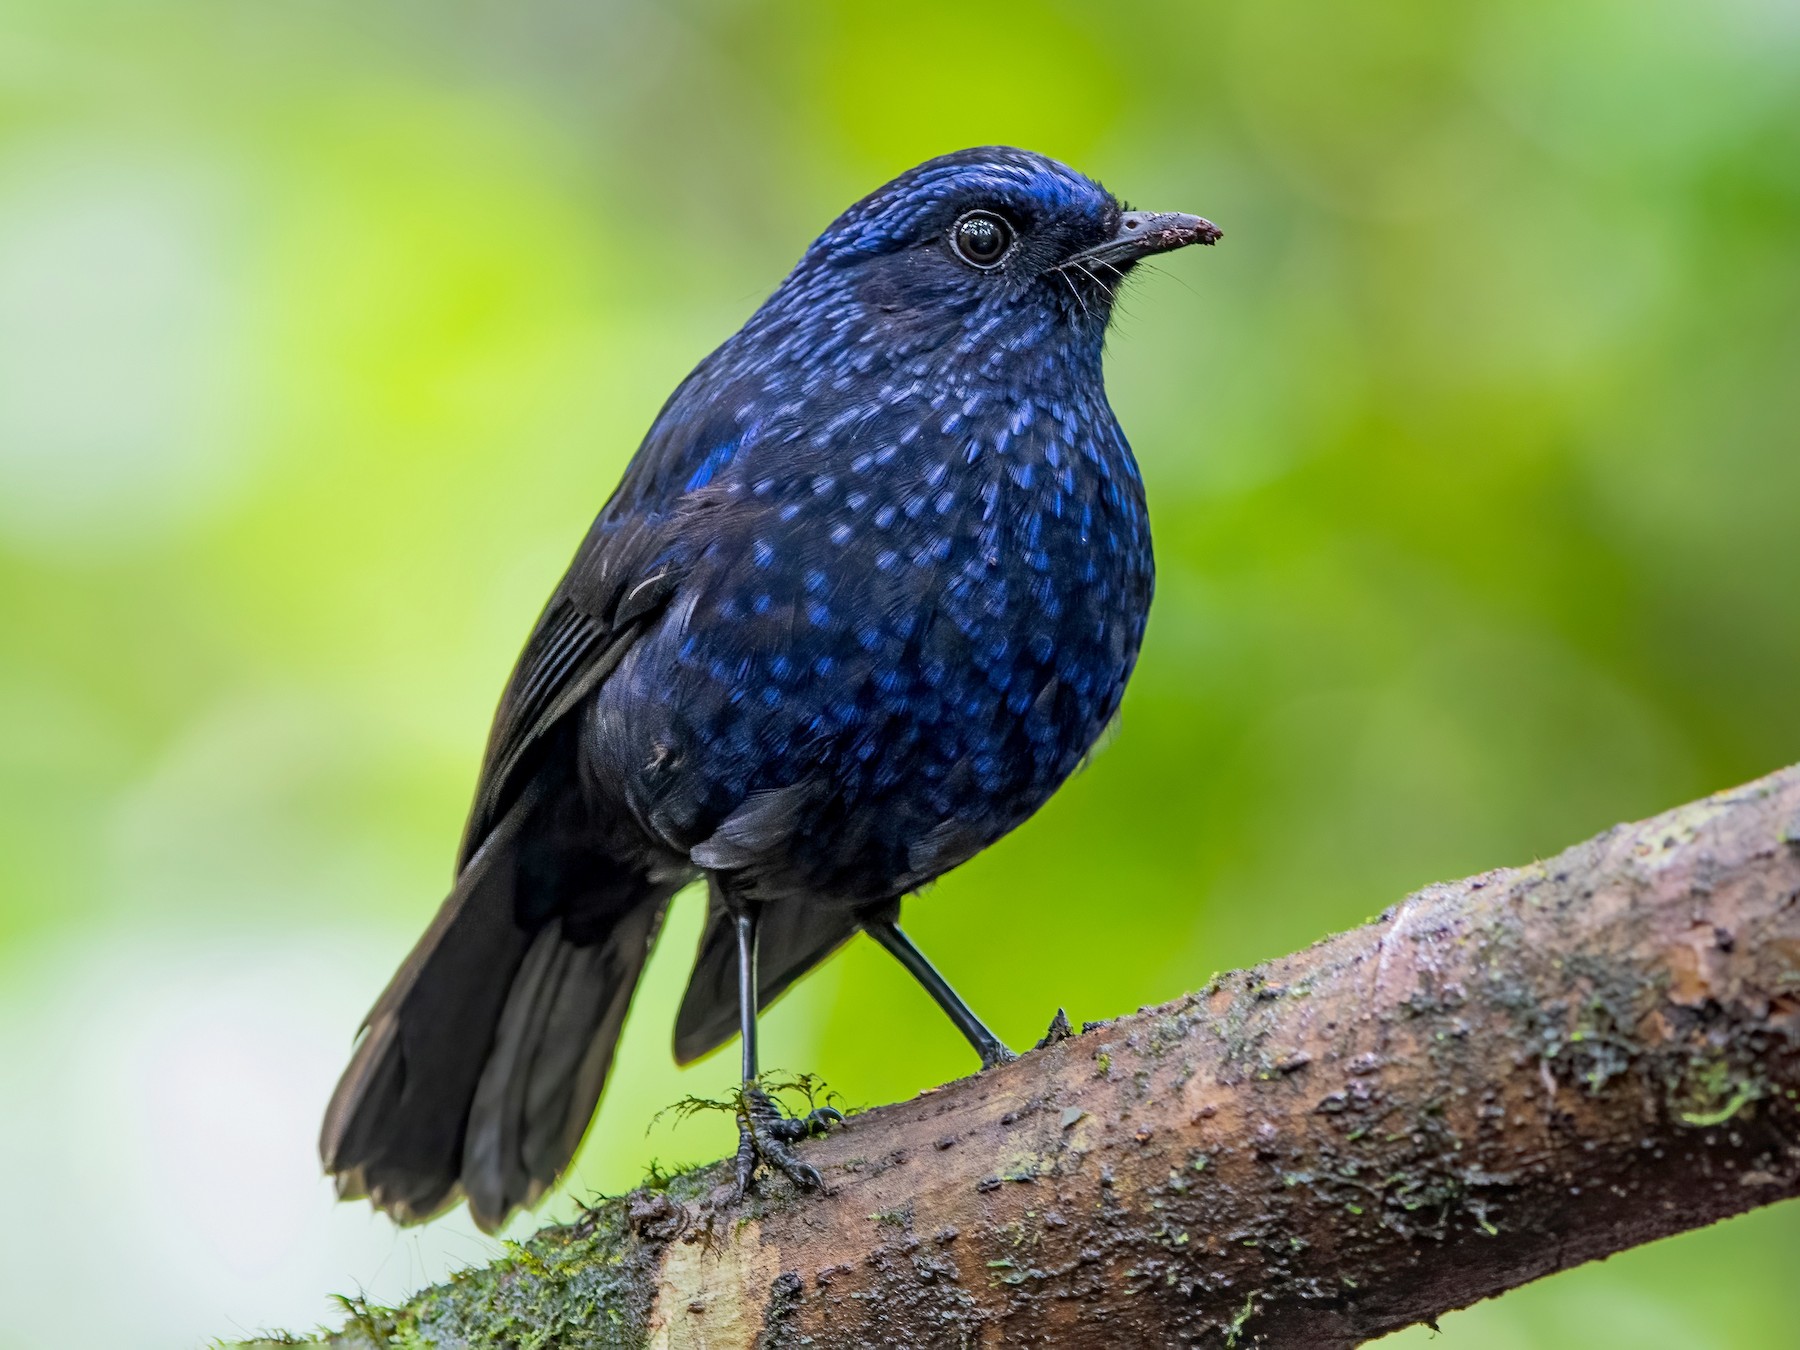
point(869, 590)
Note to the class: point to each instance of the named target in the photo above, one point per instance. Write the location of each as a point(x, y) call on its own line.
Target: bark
point(1499, 1078)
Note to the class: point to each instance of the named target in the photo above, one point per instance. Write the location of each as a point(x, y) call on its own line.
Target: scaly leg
point(989, 1046)
point(764, 1132)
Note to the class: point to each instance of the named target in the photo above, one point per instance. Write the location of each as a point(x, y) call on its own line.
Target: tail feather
point(493, 1170)
point(550, 1058)
point(577, 1053)
point(393, 1131)
point(483, 1060)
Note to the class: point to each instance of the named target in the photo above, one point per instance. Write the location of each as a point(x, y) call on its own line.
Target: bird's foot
point(764, 1133)
point(996, 1054)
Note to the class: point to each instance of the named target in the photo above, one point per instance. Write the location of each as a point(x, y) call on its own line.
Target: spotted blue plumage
point(868, 592)
point(915, 562)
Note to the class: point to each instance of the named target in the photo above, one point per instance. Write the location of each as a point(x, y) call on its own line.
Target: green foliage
point(325, 329)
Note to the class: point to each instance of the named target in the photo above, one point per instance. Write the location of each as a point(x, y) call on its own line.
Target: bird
point(868, 592)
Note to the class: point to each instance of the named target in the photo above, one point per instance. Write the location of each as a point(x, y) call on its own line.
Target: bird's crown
point(1027, 190)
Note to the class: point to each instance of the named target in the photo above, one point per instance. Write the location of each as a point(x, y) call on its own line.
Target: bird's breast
point(928, 629)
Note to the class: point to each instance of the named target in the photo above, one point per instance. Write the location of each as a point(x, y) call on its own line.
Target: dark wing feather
point(568, 655)
point(617, 584)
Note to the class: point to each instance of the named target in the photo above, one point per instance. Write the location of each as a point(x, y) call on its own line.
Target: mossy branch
point(1499, 1078)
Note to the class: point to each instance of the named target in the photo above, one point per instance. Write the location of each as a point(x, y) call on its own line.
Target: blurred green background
point(326, 328)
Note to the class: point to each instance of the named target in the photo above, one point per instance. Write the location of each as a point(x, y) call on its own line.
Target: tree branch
point(1497, 1079)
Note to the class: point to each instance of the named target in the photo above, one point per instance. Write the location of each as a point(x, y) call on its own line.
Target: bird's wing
point(626, 570)
point(568, 655)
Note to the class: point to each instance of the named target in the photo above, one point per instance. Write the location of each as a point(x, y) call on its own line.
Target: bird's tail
point(482, 1062)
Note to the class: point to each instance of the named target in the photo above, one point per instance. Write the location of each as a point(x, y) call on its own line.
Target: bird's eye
point(981, 239)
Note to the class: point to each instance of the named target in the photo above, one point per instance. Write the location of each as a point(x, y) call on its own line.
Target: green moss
point(1235, 1332)
point(660, 1178)
point(582, 1287)
point(1739, 1099)
point(1714, 1091)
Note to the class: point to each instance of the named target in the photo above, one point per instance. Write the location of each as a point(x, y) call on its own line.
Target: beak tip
point(1205, 232)
point(1176, 230)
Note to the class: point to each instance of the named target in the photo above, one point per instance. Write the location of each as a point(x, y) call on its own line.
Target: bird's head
point(995, 240)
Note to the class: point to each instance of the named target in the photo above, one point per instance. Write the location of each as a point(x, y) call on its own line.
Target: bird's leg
point(989, 1046)
point(764, 1132)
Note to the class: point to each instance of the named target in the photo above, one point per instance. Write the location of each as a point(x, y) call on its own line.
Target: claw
point(820, 1119)
point(764, 1134)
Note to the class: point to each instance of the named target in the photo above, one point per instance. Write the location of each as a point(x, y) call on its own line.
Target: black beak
point(1141, 233)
